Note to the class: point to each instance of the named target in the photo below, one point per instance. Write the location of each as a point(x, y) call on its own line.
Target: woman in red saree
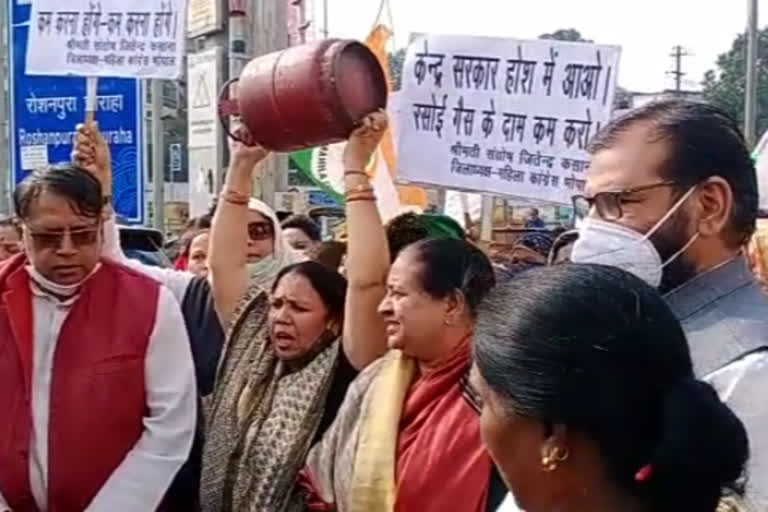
point(407, 437)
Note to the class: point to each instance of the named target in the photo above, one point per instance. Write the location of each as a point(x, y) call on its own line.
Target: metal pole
point(486, 223)
point(238, 47)
point(325, 19)
point(6, 173)
point(158, 157)
point(268, 32)
point(750, 99)
point(678, 53)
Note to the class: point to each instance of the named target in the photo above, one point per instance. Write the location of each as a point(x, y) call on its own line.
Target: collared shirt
point(141, 480)
point(206, 338)
point(724, 313)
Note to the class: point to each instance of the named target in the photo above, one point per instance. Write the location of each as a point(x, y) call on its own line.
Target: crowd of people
point(615, 367)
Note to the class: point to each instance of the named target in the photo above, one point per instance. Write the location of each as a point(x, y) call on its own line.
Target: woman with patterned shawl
point(407, 436)
point(282, 378)
point(284, 371)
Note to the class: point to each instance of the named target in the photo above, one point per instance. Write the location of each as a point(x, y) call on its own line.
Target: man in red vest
point(97, 384)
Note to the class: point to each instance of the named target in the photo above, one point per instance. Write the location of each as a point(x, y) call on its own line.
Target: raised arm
point(367, 262)
point(91, 152)
point(227, 257)
point(194, 295)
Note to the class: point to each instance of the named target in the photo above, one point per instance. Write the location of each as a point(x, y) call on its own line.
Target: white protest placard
point(504, 116)
point(117, 38)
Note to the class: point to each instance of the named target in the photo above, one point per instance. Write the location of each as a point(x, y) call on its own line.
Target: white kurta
point(741, 386)
point(176, 280)
point(141, 480)
point(508, 505)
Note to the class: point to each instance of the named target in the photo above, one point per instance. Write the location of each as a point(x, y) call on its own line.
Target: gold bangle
point(361, 198)
point(363, 187)
point(235, 197)
point(362, 193)
point(355, 173)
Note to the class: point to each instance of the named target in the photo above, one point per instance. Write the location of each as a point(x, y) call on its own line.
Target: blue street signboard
point(46, 109)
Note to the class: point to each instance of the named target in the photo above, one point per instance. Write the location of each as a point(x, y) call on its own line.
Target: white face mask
point(608, 243)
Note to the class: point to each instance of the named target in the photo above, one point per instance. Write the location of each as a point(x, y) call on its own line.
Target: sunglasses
point(258, 231)
point(79, 238)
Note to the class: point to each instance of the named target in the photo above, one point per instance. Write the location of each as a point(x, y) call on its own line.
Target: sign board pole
point(158, 164)
point(91, 86)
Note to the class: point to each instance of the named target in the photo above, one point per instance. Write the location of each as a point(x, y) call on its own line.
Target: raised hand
point(364, 141)
point(91, 152)
point(246, 152)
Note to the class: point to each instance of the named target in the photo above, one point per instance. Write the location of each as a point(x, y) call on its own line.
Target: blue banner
point(45, 111)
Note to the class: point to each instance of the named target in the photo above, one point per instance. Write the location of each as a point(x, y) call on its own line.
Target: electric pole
point(750, 92)
point(269, 33)
point(678, 53)
point(158, 157)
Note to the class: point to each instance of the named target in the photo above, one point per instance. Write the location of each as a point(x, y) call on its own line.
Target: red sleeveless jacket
point(97, 398)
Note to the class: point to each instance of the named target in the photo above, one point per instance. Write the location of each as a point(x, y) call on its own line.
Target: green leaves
point(725, 85)
point(566, 34)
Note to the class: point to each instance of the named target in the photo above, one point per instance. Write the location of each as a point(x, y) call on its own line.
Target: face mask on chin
point(607, 243)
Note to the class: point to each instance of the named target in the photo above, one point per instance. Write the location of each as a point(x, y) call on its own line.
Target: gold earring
point(551, 458)
point(331, 331)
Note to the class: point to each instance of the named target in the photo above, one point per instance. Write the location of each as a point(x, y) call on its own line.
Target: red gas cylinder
point(309, 95)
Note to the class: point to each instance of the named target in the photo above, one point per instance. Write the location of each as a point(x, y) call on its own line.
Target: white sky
point(645, 29)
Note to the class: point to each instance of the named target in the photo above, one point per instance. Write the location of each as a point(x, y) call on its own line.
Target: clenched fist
point(92, 153)
point(364, 141)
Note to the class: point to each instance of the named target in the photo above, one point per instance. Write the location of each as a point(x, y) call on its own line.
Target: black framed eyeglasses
point(609, 205)
point(258, 231)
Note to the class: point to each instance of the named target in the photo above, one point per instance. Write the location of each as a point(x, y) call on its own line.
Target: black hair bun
point(703, 446)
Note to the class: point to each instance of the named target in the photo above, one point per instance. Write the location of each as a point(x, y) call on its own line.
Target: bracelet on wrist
point(363, 187)
point(355, 172)
point(361, 198)
point(235, 197)
point(362, 194)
